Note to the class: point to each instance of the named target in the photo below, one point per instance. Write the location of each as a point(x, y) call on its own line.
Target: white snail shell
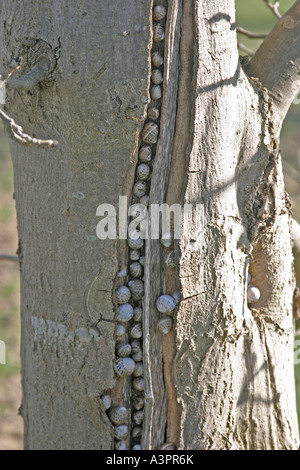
point(125, 313)
point(159, 12)
point(138, 417)
point(135, 346)
point(143, 171)
point(136, 432)
point(170, 259)
point(120, 445)
point(139, 369)
point(165, 304)
point(150, 133)
point(136, 331)
point(165, 324)
point(158, 33)
point(138, 356)
point(135, 269)
point(145, 154)
point(153, 113)
point(138, 403)
point(176, 296)
point(137, 289)
point(136, 447)
point(157, 77)
point(124, 366)
point(253, 294)
point(167, 239)
point(106, 401)
point(134, 255)
point(123, 295)
point(145, 200)
point(123, 349)
point(157, 59)
point(118, 415)
point(121, 432)
point(139, 189)
point(138, 314)
point(138, 384)
point(120, 330)
point(155, 92)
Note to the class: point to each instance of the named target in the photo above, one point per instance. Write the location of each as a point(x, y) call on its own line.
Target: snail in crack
point(155, 93)
point(159, 12)
point(138, 314)
point(165, 324)
point(156, 77)
point(118, 415)
point(150, 133)
point(120, 330)
point(123, 349)
point(136, 432)
point(145, 154)
point(139, 189)
point(158, 33)
point(253, 294)
point(134, 255)
point(124, 366)
point(135, 269)
point(136, 287)
point(170, 259)
point(138, 417)
point(106, 401)
point(138, 384)
point(139, 369)
point(143, 171)
point(136, 331)
point(153, 113)
point(165, 304)
point(125, 313)
point(157, 59)
point(121, 432)
point(120, 445)
point(123, 295)
point(138, 403)
point(135, 243)
point(167, 239)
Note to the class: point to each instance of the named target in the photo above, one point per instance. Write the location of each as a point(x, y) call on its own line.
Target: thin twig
point(274, 8)
point(9, 258)
point(250, 34)
point(245, 49)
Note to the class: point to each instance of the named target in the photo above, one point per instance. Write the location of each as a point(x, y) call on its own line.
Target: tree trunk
point(222, 378)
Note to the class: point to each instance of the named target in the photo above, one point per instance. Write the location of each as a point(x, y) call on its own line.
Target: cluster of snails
point(253, 293)
point(129, 354)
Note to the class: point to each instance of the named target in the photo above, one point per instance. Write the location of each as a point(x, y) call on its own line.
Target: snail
point(138, 384)
point(138, 403)
point(120, 330)
point(123, 295)
point(159, 12)
point(253, 294)
point(143, 171)
point(138, 370)
point(139, 189)
point(145, 154)
point(135, 243)
point(176, 296)
point(136, 287)
point(150, 133)
point(165, 324)
point(106, 401)
point(156, 77)
point(121, 432)
point(157, 59)
point(123, 349)
point(124, 366)
point(136, 447)
point(138, 356)
point(167, 239)
point(118, 415)
point(170, 259)
point(134, 255)
point(158, 33)
point(165, 304)
point(145, 201)
point(135, 346)
point(135, 269)
point(153, 113)
point(155, 92)
point(142, 260)
point(138, 417)
point(136, 432)
point(120, 445)
point(137, 314)
point(125, 313)
point(136, 331)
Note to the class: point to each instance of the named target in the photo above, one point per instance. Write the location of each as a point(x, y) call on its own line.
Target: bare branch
point(244, 48)
point(250, 34)
point(274, 8)
point(9, 258)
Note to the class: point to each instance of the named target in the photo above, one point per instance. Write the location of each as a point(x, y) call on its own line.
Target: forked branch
point(274, 8)
point(251, 34)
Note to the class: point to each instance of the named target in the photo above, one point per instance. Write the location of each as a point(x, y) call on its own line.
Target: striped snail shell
point(145, 154)
point(136, 432)
point(139, 189)
point(135, 243)
point(150, 133)
point(159, 12)
point(120, 445)
point(139, 369)
point(158, 33)
point(253, 294)
point(134, 255)
point(156, 76)
point(121, 432)
point(135, 346)
point(138, 384)
point(106, 401)
point(125, 313)
point(123, 349)
point(138, 417)
point(145, 200)
point(170, 259)
point(138, 356)
point(165, 324)
point(155, 92)
point(135, 269)
point(167, 239)
point(120, 330)
point(153, 113)
point(118, 415)
point(165, 304)
point(136, 331)
point(124, 366)
point(143, 171)
point(137, 447)
point(157, 59)
point(176, 296)
point(138, 403)
point(137, 289)
point(142, 260)
point(137, 314)
point(168, 446)
point(123, 295)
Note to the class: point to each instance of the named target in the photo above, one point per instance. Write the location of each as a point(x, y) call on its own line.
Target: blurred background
point(252, 15)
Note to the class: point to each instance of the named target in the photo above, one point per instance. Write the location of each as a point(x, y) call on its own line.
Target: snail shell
point(153, 113)
point(136, 330)
point(137, 289)
point(135, 269)
point(170, 259)
point(135, 346)
point(144, 200)
point(138, 356)
point(167, 239)
point(125, 313)
point(120, 330)
point(155, 92)
point(157, 77)
point(123, 349)
point(136, 432)
point(139, 189)
point(138, 403)
point(168, 446)
point(139, 369)
point(143, 171)
point(134, 255)
point(159, 12)
point(124, 366)
point(158, 33)
point(138, 314)
point(176, 296)
point(165, 304)
point(142, 259)
point(136, 447)
point(123, 295)
point(106, 401)
point(121, 432)
point(157, 59)
point(135, 243)
point(165, 324)
point(150, 133)
point(118, 415)
point(138, 384)
point(145, 154)
point(138, 417)
point(120, 445)
point(253, 294)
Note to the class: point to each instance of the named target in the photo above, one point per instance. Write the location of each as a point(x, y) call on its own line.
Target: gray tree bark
point(223, 377)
